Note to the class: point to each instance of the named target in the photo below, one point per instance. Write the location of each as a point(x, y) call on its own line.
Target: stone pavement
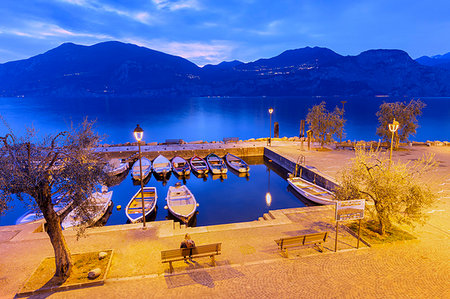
point(250, 264)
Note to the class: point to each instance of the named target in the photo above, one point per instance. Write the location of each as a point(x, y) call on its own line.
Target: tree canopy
point(396, 189)
point(325, 124)
point(405, 113)
point(37, 170)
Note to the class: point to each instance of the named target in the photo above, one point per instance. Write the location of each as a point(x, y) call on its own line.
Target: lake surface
point(228, 199)
point(207, 119)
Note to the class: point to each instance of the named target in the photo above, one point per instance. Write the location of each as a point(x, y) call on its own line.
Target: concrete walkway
point(251, 265)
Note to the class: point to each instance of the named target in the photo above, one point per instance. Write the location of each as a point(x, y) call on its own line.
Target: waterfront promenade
point(250, 264)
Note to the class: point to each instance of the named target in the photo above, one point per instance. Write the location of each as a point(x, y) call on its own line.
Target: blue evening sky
point(208, 31)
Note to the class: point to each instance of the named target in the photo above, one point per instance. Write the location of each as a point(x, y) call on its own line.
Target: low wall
point(307, 172)
point(186, 152)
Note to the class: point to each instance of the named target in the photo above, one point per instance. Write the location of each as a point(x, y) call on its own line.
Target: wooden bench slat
point(314, 238)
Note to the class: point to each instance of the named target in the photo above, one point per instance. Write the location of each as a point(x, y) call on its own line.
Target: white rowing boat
point(236, 163)
point(134, 206)
point(146, 169)
point(181, 202)
point(311, 191)
point(161, 166)
point(99, 203)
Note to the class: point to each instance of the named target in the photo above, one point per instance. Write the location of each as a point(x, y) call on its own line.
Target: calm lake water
point(221, 200)
point(207, 119)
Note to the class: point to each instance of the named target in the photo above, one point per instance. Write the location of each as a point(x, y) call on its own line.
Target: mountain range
point(119, 69)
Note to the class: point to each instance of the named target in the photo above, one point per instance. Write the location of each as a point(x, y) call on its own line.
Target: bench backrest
point(302, 239)
point(202, 249)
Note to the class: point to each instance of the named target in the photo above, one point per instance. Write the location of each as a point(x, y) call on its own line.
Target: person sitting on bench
point(187, 242)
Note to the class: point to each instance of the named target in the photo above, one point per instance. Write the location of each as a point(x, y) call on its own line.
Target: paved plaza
point(251, 265)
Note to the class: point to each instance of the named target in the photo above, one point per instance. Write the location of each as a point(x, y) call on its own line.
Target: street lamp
point(270, 127)
point(138, 134)
point(393, 128)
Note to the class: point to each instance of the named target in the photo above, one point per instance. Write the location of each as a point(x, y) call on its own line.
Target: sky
point(211, 31)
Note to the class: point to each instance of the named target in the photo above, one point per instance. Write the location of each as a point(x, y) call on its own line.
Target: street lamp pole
point(138, 134)
point(393, 128)
point(270, 126)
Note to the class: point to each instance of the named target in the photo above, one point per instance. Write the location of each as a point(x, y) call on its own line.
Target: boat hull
point(146, 169)
point(311, 191)
point(236, 163)
point(181, 203)
point(134, 206)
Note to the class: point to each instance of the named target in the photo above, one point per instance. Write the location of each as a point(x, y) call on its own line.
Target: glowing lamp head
point(394, 126)
point(270, 110)
point(268, 199)
point(138, 133)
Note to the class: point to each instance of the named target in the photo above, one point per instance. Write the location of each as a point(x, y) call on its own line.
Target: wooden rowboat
point(116, 167)
point(311, 191)
point(199, 165)
point(181, 166)
point(216, 164)
point(134, 206)
point(181, 202)
point(236, 163)
point(161, 166)
point(146, 169)
point(98, 202)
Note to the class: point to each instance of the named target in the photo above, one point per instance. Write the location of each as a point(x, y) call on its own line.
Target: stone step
point(261, 219)
point(267, 216)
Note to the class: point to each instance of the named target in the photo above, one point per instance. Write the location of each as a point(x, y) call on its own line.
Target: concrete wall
point(185, 152)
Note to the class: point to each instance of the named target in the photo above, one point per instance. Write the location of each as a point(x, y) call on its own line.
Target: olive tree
point(405, 113)
point(395, 189)
point(36, 170)
point(325, 124)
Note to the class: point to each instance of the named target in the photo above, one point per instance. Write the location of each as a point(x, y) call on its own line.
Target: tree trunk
point(381, 227)
point(63, 260)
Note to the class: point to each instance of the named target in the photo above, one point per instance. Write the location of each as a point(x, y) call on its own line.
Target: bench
point(169, 256)
point(174, 141)
point(230, 139)
point(315, 238)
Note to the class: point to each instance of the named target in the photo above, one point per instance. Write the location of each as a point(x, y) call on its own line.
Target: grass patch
point(369, 233)
point(41, 279)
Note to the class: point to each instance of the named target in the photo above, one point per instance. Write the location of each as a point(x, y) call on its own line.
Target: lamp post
point(138, 134)
point(270, 126)
point(393, 128)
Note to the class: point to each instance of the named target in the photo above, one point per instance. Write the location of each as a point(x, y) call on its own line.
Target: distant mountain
point(114, 68)
point(442, 61)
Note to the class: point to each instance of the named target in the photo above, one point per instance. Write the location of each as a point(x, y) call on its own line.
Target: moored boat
point(236, 163)
point(161, 166)
point(134, 206)
point(216, 164)
point(311, 191)
point(99, 203)
point(116, 167)
point(32, 216)
point(181, 166)
point(199, 165)
point(146, 169)
point(181, 202)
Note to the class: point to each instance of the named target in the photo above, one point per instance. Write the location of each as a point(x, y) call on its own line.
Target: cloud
point(136, 15)
point(173, 5)
point(201, 53)
point(41, 30)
